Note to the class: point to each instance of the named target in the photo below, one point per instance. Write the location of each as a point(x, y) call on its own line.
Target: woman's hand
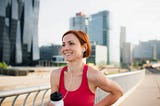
point(50, 104)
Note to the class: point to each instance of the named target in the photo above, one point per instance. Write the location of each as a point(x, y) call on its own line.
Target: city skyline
point(139, 17)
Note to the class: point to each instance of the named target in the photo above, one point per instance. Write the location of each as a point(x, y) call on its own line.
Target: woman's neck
point(75, 67)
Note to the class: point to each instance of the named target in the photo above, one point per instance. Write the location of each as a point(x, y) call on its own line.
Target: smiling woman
point(75, 39)
point(77, 81)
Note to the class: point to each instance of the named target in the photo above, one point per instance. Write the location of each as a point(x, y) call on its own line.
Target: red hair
point(83, 39)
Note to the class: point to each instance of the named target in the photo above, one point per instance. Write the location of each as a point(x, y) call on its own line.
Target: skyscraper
point(126, 48)
point(19, 32)
point(79, 22)
point(122, 43)
point(99, 29)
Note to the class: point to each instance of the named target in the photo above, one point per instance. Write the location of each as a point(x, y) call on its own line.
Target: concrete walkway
point(147, 93)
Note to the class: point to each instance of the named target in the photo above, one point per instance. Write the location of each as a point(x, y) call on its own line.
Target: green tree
point(3, 65)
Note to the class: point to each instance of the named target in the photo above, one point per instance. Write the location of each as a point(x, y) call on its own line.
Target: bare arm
point(114, 90)
point(54, 80)
point(54, 83)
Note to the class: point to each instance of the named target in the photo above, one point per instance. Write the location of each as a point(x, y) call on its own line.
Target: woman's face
point(71, 48)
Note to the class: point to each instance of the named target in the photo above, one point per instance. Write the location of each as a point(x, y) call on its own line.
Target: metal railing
point(26, 92)
point(128, 81)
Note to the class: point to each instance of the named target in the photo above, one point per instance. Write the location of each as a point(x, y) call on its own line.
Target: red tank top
point(81, 96)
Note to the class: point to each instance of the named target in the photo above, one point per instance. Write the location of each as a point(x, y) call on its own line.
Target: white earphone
point(84, 49)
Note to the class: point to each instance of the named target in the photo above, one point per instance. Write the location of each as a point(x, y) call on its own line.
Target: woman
point(77, 81)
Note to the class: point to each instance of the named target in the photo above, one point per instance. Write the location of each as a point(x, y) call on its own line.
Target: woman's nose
point(66, 47)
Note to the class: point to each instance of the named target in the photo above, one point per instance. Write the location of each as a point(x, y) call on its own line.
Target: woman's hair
point(83, 38)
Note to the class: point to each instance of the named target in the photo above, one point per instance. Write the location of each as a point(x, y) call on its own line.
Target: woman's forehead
point(70, 37)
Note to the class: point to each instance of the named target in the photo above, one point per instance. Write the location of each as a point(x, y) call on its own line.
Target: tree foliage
point(3, 65)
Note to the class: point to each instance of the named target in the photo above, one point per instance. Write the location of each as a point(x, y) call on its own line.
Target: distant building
point(47, 54)
point(127, 56)
point(147, 50)
point(99, 28)
point(122, 43)
point(114, 40)
point(58, 60)
point(19, 32)
point(99, 55)
point(125, 48)
point(122, 35)
point(79, 22)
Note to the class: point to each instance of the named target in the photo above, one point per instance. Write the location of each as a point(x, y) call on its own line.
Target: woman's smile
point(68, 53)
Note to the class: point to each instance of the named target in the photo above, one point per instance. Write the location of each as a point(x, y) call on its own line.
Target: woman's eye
point(63, 44)
point(71, 43)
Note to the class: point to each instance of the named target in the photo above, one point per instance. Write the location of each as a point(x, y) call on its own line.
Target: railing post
point(24, 102)
point(14, 100)
point(42, 101)
point(2, 100)
point(34, 101)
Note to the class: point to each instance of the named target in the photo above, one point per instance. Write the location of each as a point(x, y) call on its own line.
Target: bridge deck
point(147, 93)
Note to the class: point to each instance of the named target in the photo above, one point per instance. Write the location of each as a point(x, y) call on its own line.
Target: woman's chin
point(68, 59)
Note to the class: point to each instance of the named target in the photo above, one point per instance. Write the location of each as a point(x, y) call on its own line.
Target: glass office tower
point(19, 32)
point(99, 29)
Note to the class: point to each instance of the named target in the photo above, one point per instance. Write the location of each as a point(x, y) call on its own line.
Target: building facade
point(79, 22)
point(99, 29)
point(19, 32)
point(127, 56)
point(47, 52)
point(122, 43)
point(147, 50)
point(49, 55)
point(99, 55)
point(126, 49)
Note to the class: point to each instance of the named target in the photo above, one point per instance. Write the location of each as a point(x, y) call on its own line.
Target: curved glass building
point(19, 32)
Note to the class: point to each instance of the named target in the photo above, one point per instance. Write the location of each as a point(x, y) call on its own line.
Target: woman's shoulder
point(56, 72)
point(92, 70)
point(94, 73)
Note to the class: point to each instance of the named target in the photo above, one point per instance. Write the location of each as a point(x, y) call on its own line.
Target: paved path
point(147, 93)
point(18, 82)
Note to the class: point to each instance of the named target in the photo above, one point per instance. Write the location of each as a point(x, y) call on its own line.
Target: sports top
point(79, 97)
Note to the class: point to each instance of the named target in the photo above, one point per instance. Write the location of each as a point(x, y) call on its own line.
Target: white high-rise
point(114, 40)
point(126, 48)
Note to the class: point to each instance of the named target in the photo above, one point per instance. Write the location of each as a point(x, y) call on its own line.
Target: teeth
point(67, 54)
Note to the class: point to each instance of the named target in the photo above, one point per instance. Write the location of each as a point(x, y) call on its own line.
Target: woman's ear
point(84, 47)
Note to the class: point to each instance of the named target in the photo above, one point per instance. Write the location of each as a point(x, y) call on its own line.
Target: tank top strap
point(61, 80)
point(84, 77)
point(85, 68)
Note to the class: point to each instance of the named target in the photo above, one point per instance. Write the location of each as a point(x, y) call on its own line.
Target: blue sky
point(141, 17)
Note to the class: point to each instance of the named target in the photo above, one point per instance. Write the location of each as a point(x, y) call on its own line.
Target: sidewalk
point(147, 93)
